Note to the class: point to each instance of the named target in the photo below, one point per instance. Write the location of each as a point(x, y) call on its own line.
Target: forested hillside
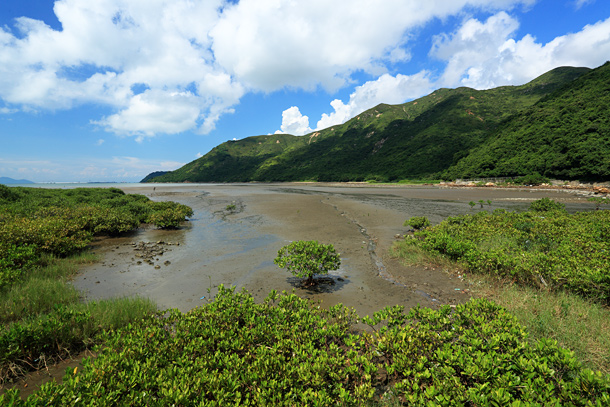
point(449, 133)
point(566, 136)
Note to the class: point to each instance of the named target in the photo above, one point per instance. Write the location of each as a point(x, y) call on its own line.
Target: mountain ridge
point(422, 138)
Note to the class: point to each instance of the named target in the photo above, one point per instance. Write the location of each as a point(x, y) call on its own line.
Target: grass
point(45, 294)
point(118, 312)
point(416, 256)
point(43, 288)
point(575, 323)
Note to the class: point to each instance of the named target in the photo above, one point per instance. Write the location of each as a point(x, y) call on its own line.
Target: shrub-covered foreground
point(540, 248)
point(43, 237)
point(288, 351)
point(36, 221)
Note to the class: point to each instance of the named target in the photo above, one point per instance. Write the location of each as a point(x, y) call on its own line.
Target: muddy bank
point(236, 246)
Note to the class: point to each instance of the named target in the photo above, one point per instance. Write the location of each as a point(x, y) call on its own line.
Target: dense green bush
point(532, 179)
point(417, 222)
point(170, 215)
point(305, 258)
point(478, 354)
point(287, 351)
point(48, 336)
point(552, 249)
point(546, 205)
point(67, 329)
point(14, 259)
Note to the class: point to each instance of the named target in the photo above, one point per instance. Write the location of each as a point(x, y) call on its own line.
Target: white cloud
point(480, 55)
point(155, 111)
point(107, 46)
point(387, 89)
point(197, 58)
point(99, 142)
point(270, 44)
point(484, 54)
point(198, 155)
point(293, 122)
point(6, 110)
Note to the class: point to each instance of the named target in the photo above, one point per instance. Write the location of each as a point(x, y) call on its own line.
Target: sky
point(111, 90)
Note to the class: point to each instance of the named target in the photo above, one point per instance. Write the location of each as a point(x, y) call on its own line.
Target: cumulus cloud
point(386, 89)
point(484, 54)
point(107, 47)
point(306, 44)
point(293, 122)
point(154, 112)
point(195, 59)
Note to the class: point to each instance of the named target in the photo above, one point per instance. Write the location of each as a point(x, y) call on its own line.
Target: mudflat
point(235, 246)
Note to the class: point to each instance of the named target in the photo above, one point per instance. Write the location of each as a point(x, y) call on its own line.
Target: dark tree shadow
point(322, 284)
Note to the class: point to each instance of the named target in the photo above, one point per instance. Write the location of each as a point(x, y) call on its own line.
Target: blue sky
point(111, 90)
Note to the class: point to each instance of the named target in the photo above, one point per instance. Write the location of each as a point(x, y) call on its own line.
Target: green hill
point(565, 135)
point(418, 139)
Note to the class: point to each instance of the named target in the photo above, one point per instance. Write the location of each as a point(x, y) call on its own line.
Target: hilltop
point(450, 133)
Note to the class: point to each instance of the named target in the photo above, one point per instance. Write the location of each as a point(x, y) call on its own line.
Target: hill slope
point(566, 135)
point(413, 140)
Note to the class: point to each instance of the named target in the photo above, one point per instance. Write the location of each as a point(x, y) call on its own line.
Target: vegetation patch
point(544, 247)
point(307, 258)
point(36, 222)
point(288, 351)
point(43, 237)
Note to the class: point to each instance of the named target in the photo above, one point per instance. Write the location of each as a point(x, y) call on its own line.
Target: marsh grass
point(412, 255)
point(44, 318)
point(574, 322)
point(33, 297)
point(43, 288)
point(118, 312)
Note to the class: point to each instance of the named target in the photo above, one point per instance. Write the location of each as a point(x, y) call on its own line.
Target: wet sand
point(237, 249)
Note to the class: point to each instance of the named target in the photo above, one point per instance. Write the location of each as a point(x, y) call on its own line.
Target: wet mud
point(237, 229)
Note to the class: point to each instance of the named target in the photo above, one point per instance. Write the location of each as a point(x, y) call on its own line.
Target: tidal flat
point(237, 229)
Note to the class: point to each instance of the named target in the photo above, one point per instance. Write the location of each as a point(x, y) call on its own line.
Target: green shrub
point(230, 352)
point(532, 179)
point(13, 260)
point(307, 258)
point(287, 351)
point(8, 194)
point(546, 205)
point(555, 250)
point(417, 222)
point(478, 355)
point(44, 338)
